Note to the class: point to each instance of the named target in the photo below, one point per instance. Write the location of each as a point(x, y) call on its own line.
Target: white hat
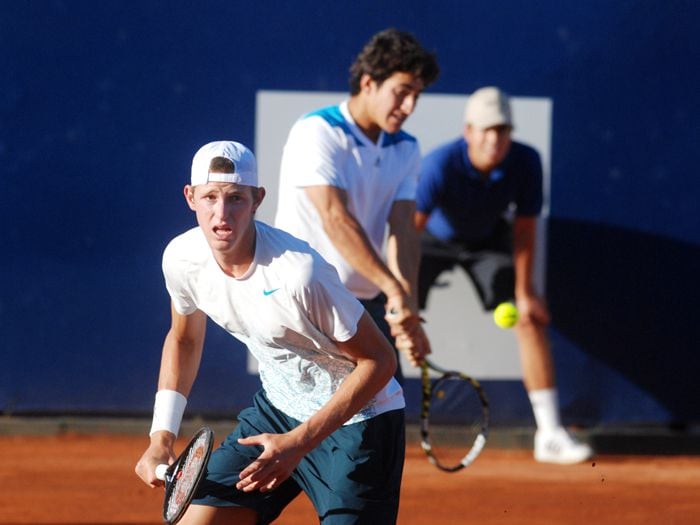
point(245, 169)
point(488, 107)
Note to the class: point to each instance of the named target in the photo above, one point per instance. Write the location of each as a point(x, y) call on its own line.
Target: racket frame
point(175, 470)
point(429, 386)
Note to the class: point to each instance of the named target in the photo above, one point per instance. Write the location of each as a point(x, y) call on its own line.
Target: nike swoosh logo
point(270, 292)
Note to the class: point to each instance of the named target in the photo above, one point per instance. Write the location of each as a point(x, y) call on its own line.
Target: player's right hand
point(156, 454)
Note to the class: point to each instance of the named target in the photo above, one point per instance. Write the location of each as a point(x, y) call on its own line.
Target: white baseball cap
point(245, 169)
point(488, 107)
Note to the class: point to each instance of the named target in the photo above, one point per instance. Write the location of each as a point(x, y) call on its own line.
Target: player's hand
point(410, 338)
point(400, 317)
point(414, 346)
point(532, 309)
point(160, 451)
point(281, 455)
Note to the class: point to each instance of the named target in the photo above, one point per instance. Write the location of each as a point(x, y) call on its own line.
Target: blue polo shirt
point(463, 206)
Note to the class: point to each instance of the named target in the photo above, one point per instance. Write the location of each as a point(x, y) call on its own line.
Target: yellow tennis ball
point(505, 315)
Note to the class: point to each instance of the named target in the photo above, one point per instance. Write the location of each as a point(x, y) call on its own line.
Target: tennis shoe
point(560, 447)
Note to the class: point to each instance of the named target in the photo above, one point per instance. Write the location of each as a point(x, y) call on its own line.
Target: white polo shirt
point(326, 148)
point(288, 309)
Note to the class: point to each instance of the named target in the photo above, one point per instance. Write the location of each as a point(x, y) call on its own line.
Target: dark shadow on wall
point(630, 300)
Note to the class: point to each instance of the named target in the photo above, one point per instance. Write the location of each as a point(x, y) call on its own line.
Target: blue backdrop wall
point(103, 104)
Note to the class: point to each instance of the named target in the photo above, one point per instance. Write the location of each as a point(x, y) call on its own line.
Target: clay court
point(76, 477)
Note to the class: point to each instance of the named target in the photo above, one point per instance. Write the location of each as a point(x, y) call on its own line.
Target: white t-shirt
point(326, 148)
point(287, 309)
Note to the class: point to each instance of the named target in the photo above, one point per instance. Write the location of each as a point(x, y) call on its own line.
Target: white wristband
point(167, 411)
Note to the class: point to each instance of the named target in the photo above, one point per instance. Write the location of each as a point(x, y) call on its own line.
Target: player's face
point(487, 147)
point(392, 102)
point(225, 212)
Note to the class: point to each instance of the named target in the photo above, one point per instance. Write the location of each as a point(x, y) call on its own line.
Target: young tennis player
point(329, 418)
point(349, 174)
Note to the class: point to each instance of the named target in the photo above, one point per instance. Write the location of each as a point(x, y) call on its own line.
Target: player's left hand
point(399, 315)
point(281, 455)
point(414, 346)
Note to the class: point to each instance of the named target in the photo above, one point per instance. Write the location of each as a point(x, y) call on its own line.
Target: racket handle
point(161, 471)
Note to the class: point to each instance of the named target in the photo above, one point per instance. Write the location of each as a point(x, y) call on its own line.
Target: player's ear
point(258, 196)
point(188, 191)
point(467, 132)
point(365, 82)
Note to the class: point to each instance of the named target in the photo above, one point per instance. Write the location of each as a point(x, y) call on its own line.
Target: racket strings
point(186, 475)
point(454, 419)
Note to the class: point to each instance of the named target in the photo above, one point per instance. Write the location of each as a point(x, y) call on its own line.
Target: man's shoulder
point(288, 256)
point(326, 125)
point(190, 245)
point(448, 148)
point(281, 248)
point(522, 150)
point(524, 159)
point(330, 114)
point(446, 151)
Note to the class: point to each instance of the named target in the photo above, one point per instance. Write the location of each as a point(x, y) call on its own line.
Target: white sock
point(545, 406)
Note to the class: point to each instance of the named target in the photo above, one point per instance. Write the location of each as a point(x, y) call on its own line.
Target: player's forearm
point(182, 351)
point(376, 364)
point(352, 243)
point(403, 248)
point(179, 364)
point(403, 259)
point(356, 391)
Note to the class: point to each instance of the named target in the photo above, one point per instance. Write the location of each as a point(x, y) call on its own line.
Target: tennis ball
point(505, 315)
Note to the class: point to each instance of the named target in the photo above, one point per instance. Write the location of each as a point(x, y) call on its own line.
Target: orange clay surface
point(75, 478)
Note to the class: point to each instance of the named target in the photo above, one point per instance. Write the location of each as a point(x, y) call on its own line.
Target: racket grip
point(161, 471)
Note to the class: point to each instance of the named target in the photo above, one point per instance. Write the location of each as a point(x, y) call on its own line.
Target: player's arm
point(403, 249)
point(403, 259)
point(376, 364)
point(181, 356)
point(350, 239)
point(530, 306)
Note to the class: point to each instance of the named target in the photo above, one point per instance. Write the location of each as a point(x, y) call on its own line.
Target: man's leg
point(204, 515)
point(354, 475)
point(437, 257)
point(553, 444)
point(217, 498)
point(535, 356)
point(494, 278)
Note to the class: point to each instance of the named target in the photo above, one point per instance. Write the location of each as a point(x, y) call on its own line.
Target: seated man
point(465, 190)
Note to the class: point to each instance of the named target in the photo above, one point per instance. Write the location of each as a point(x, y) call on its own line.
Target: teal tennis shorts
point(352, 477)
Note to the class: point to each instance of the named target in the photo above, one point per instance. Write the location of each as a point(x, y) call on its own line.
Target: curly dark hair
point(390, 51)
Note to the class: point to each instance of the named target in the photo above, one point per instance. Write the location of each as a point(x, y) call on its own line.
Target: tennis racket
point(454, 418)
point(182, 477)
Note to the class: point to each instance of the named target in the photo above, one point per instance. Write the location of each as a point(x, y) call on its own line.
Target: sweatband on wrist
point(167, 411)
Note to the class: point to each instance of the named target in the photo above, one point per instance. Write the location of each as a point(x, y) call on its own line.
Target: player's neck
point(236, 261)
point(483, 168)
point(363, 120)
